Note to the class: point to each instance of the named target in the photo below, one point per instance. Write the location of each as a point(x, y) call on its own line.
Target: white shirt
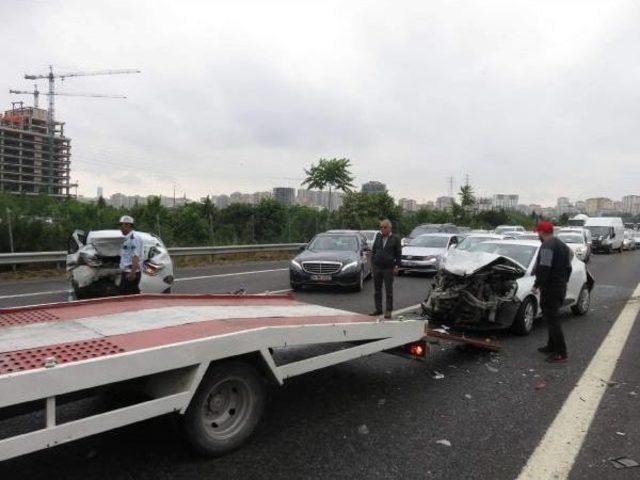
point(131, 247)
point(384, 241)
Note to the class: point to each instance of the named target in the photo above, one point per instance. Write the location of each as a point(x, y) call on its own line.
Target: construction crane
point(51, 77)
point(36, 94)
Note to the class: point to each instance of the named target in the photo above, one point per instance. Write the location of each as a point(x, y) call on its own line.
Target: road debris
point(541, 385)
point(382, 401)
point(444, 442)
point(622, 434)
point(491, 368)
point(623, 462)
point(363, 430)
point(436, 375)
point(467, 396)
point(633, 394)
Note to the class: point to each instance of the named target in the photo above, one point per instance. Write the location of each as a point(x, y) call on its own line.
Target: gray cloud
point(534, 97)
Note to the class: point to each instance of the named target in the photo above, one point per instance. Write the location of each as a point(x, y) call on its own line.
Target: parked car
point(607, 233)
point(426, 252)
point(429, 228)
point(490, 286)
point(93, 264)
point(332, 258)
point(628, 243)
point(585, 232)
point(576, 242)
point(503, 229)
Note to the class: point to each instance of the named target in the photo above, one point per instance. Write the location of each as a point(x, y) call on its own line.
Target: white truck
point(607, 233)
point(204, 357)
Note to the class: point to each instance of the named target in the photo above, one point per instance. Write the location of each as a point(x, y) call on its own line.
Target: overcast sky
point(540, 98)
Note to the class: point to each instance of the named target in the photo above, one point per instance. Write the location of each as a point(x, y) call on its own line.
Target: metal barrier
point(61, 256)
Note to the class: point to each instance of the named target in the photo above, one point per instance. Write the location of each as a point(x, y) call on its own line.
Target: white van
point(607, 233)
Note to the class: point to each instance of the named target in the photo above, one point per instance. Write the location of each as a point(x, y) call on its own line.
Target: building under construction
point(33, 160)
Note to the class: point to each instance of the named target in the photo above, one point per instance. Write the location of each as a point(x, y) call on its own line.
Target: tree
point(333, 173)
point(467, 197)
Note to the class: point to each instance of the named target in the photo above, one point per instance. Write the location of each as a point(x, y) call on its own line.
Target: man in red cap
point(553, 269)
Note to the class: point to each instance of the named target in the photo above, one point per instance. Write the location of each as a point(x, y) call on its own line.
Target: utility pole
point(450, 181)
point(10, 234)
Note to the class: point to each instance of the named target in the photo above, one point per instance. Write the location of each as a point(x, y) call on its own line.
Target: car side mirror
point(452, 246)
point(302, 248)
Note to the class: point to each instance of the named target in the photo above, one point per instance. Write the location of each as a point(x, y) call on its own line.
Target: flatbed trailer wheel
point(226, 408)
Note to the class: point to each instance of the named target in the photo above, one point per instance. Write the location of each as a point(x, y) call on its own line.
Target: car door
point(76, 241)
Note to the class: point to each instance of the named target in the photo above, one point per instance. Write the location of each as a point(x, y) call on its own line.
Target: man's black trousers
point(550, 307)
point(128, 287)
point(380, 276)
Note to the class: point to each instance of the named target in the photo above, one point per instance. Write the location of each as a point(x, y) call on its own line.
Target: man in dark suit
point(385, 258)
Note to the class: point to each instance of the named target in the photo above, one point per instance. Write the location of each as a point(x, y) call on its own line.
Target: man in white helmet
point(131, 256)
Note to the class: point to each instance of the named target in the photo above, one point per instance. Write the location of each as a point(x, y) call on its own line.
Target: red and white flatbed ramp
point(169, 340)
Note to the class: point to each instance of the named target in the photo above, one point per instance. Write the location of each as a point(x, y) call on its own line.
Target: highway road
point(497, 412)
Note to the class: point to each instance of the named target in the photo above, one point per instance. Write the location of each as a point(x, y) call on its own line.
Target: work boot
point(557, 358)
point(546, 349)
point(375, 313)
point(387, 314)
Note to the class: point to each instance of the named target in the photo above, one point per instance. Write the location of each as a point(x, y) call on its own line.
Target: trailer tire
point(225, 409)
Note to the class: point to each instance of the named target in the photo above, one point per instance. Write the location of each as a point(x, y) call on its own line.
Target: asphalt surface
point(493, 409)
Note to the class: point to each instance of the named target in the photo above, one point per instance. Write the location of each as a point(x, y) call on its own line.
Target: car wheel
point(296, 287)
point(583, 302)
point(525, 316)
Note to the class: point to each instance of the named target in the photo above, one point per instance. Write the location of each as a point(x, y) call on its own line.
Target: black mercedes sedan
point(341, 259)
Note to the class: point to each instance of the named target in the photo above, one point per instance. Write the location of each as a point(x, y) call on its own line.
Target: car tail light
point(151, 268)
point(414, 350)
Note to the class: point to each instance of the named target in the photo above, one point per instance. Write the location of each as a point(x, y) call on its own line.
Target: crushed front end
point(474, 292)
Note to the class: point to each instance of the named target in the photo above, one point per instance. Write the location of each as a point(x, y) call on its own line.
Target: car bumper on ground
point(301, 278)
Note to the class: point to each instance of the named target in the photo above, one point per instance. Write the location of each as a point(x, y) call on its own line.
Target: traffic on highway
point(480, 286)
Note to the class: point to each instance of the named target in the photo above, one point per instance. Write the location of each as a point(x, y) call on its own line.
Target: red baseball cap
point(544, 227)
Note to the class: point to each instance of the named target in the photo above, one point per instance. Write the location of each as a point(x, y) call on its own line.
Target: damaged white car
point(489, 287)
point(93, 264)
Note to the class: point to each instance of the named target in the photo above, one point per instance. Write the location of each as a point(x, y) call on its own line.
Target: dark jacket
point(390, 255)
point(553, 269)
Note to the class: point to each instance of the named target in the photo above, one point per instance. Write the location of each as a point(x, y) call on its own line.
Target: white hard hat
point(126, 219)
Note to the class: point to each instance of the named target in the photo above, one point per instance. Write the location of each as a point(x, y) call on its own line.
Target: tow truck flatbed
point(204, 356)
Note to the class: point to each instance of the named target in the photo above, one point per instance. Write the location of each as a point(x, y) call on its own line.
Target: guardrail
point(61, 256)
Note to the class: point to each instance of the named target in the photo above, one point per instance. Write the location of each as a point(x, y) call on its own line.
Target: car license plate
point(321, 278)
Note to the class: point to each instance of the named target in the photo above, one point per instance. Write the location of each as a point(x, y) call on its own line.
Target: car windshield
point(347, 243)
point(571, 237)
point(419, 230)
point(508, 229)
point(598, 230)
point(429, 241)
point(470, 242)
point(523, 254)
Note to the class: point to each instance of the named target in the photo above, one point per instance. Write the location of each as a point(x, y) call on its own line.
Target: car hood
point(423, 251)
point(464, 263)
point(332, 256)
